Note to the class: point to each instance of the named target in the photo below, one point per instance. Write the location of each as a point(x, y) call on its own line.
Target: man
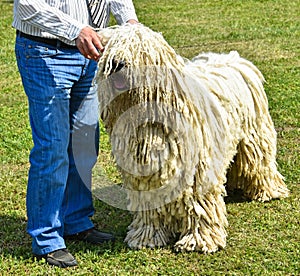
point(57, 51)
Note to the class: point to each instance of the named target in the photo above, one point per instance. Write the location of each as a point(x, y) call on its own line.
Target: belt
point(49, 41)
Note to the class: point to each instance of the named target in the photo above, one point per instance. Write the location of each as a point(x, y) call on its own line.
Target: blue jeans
point(63, 113)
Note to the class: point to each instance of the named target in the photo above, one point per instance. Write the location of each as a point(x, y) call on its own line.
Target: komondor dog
point(181, 132)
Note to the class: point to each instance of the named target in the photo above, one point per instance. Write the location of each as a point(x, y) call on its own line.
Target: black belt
point(49, 41)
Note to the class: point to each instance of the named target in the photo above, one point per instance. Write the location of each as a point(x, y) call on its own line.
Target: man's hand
point(89, 43)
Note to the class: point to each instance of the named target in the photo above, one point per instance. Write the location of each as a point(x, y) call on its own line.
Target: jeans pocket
point(40, 51)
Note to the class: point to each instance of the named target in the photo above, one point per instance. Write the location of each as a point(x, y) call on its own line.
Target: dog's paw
point(147, 236)
point(194, 242)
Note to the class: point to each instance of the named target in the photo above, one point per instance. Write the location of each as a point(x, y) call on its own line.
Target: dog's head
point(137, 66)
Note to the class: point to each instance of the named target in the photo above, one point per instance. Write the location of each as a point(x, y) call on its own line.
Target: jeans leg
point(48, 76)
point(83, 152)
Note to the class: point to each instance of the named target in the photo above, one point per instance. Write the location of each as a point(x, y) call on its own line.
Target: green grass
point(264, 239)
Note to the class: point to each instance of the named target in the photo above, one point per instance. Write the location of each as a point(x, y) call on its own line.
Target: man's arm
point(123, 11)
point(49, 19)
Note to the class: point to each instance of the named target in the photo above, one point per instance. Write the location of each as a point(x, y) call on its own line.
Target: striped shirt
point(64, 19)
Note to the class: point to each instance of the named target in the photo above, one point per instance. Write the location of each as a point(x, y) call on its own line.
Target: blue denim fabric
point(63, 113)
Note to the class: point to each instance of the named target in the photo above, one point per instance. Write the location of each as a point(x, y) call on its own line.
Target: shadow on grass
point(15, 243)
point(235, 196)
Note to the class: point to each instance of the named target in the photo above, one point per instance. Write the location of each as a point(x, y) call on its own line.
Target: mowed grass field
point(263, 238)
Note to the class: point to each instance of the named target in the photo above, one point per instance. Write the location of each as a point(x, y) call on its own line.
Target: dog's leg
point(147, 230)
point(203, 227)
point(255, 169)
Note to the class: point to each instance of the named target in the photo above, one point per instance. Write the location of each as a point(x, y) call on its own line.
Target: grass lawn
point(263, 239)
